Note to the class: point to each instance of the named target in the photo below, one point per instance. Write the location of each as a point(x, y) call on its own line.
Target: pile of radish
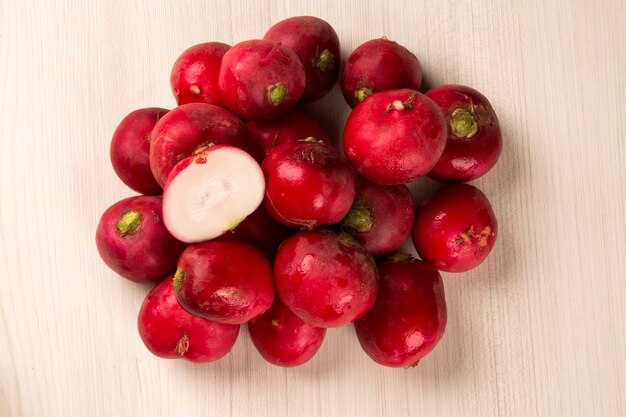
point(248, 214)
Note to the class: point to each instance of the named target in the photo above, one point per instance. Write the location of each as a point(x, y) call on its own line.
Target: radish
point(474, 139)
point(291, 127)
point(168, 331)
point(455, 228)
point(378, 65)
point(282, 338)
point(261, 230)
point(317, 45)
point(395, 136)
point(191, 128)
point(326, 279)
point(381, 217)
point(194, 75)
point(409, 316)
point(224, 280)
point(260, 79)
point(133, 241)
point(212, 192)
point(308, 184)
point(130, 150)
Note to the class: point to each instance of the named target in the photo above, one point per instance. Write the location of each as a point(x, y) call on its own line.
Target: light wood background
point(538, 330)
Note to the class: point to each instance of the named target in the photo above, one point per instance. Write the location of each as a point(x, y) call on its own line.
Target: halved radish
point(212, 192)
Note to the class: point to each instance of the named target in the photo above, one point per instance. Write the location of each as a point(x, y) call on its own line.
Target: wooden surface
point(538, 330)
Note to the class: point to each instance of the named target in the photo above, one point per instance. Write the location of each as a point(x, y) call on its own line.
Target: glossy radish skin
point(260, 79)
point(326, 279)
point(381, 217)
point(474, 140)
point(308, 184)
point(378, 65)
point(409, 316)
point(211, 192)
point(195, 72)
point(395, 136)
point(291, 127)
point(261, 230)
point(282, 338)
point(455, 228)
point(133, 241)
point(130, 150)
point(168, 331)
point(190, 128)
point(224, 280)
point(317, 45)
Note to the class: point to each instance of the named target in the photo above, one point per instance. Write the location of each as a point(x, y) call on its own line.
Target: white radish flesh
point(212, 192)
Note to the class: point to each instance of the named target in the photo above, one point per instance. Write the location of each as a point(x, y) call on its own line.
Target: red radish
point(326, 279)
point(455, 228)
point(130, 150)
point(308, 184)
point(474, 139)
point(409, 316)
point(224, 280)
point(212, 192)
point(395, 136)
point(262, 230)
point(317, 45)
point(260, 79)
point(381, 217)
point(378, 65)
point(291, 127)
point(282, 338)
point(191, 128)
point(170, 332)
point(133, 241)
point(194, 75)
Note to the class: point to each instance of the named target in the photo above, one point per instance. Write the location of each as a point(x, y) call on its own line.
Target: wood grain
point(538, 330)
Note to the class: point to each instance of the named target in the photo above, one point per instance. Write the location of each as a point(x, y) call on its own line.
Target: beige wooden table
point(538, 330)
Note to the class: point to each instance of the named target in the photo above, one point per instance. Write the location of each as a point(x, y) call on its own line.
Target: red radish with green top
point(474, 139)
point(308, 184)
point(395, 136)
point(130, 150)
point(455, 228)
point(317, 45)
point(133, 241)
point(169, 332)
point(224, 280)
point(326, 279)
point(381, 217)
point(260, 79)
point(195, 72)
point(211, 193)
point(282, 338)
point(378, 65)
point(409, 316)
point(293, 126)
point(191, 128)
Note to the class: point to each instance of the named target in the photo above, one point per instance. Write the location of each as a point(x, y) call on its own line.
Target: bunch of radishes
point(264, 222)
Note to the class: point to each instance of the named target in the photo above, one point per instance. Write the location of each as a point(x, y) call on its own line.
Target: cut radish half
point(212, 192)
